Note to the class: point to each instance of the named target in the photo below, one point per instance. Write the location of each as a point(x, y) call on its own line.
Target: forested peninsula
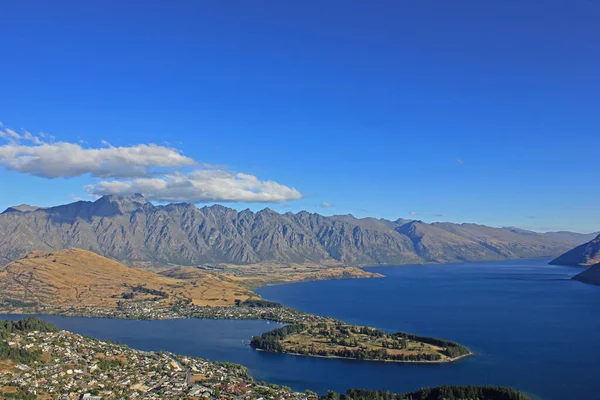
point(336, 339)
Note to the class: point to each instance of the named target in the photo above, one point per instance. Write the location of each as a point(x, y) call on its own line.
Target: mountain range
point(138, 233)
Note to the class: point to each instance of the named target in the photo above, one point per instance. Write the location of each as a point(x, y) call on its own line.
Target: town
point(72, 366)
point(154, 309)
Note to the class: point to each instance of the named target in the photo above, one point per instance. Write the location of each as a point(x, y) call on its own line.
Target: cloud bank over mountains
point(158, 172)
point(199, 186)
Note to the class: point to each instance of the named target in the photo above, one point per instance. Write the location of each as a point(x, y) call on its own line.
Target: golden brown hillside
point(264, 274)
point(257, 275)
point(75, 277)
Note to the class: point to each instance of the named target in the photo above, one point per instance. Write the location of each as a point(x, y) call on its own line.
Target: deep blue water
point(531, 327)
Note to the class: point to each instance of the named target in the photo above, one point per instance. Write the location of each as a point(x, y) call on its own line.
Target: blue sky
point(463, 111)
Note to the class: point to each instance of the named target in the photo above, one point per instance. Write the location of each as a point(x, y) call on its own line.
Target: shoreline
point(451, 360)
point(350, 278)
point(282, 315)
point(443, 361)
point(423, 264)
point(4, 312)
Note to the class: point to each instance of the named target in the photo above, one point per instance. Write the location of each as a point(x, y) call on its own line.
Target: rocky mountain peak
point(114, 204)
point(268, 211)
point(21, 208)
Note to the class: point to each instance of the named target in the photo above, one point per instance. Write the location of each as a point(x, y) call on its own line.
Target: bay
point(531, 327)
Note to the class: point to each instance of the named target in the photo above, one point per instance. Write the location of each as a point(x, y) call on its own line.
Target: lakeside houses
point(79, 367)
point(155, 310)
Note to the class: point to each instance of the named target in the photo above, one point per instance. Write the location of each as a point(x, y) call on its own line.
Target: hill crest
point(585, 255)
point(76, 277)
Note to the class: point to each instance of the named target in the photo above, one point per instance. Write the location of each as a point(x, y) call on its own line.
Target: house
point(88, 396)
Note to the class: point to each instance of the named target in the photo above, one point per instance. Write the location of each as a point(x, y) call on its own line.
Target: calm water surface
point(531, 327)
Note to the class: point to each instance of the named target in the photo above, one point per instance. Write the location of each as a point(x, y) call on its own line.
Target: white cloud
point(75, 197)
point(149, 169)
point(326, 204)
point(14, 137)
point(28, 136)
point(460, 161)
point(54, 160)
point(200, 186)
point(413, 213)
point(12, 134)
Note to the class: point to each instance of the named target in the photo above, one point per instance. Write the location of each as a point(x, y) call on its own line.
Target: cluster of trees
point(395, 344)
point(456, 350)
point(25, 325)
point(342, 341)
point(18, 303)
point(19, 395)
point(339, 331)
point(341, 334)
point(28, 324)
point(106, 364)
point(235, 369)
point(453, 349)
point(376, 333)
point(363, 353)
point(159, 294)
point(349, 329)
point(257, 303)
point(271, 341)
point(437, 393)
point(21, 356)
point(154, 292)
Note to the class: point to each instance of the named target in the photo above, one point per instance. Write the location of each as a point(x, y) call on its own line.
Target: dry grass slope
point(82, 278)
point(264, 274)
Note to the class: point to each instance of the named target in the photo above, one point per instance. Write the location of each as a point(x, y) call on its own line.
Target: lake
point(531, 326)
